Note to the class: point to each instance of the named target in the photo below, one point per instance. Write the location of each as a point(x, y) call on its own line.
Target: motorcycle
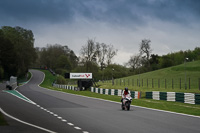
point(126, 102)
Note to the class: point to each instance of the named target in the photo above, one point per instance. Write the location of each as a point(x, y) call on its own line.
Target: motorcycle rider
point(125, 92)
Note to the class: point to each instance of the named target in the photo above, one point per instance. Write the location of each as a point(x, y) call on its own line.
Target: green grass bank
point(170, 79)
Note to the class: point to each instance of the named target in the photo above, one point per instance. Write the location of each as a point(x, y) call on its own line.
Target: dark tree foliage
point(57, 57)
point(17, 50)
point(154, 62)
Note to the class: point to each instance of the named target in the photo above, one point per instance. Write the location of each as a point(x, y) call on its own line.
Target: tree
point(145, 48)
point(88, 53)
point(102, 51)
point(63, 62)
point(197, 53)
point(1, 73)
point(154, 61)
point(135, 62)
point(57, 57)
point(165, 61)
point(111, 52)
point(97, 53)
point(73, 59)
point(50, 54)
point(19, 46)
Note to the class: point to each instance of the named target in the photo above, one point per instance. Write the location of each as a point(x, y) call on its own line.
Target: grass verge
point(155, 104)
point(2, 120)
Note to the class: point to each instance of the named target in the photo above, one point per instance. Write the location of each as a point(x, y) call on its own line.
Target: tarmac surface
point(62, 112)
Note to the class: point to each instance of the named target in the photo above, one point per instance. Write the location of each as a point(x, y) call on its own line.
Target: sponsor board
point(80, 75)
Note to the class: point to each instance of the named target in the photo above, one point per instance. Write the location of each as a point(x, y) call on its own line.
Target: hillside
point(168, 79)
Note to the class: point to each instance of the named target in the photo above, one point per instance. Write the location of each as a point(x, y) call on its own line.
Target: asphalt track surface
point(66, 113)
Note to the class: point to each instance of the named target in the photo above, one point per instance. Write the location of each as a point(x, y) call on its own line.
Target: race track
point(61, 112)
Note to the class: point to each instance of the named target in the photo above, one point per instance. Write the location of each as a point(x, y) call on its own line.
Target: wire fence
point(173, 83)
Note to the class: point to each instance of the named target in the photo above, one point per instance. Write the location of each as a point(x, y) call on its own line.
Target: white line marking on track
point(78, 128)
point(55, 115)
point(70, 124)
point(51, 113)
point(85, 132)
point(64, 120)
point(59, 117)
point(41, 128)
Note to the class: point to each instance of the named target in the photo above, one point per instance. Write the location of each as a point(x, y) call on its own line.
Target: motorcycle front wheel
point(128, 106)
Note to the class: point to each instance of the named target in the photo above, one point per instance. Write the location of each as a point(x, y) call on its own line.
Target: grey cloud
point(36, 10)
point(112, 11)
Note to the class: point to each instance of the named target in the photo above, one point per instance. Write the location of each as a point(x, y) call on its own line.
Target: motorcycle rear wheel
point(123, 107)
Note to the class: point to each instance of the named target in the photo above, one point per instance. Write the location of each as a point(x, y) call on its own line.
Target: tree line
point(17, 55)
point(144, 61)
point(59, 58)
point(94, 57)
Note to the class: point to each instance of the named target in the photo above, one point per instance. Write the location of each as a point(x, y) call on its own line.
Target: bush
point(61, 71)
point(61, 80)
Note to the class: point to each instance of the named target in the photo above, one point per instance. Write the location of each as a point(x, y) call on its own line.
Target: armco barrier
point(66, 87)
point(197, 98)
point(116, 92)
point(189, 98)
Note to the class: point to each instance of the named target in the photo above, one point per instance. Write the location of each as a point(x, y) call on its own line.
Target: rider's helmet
point(126, 89)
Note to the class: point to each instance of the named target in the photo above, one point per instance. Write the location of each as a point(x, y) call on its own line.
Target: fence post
point(189, 83)
point(142, 82)
point(128, 82)
point(199, 83)
point(152, 83)
point(132, 82)
point(180, 83)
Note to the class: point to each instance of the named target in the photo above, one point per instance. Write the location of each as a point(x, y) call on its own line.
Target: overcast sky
point(171, 25)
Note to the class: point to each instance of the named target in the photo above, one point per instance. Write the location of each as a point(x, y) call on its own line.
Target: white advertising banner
point(80, 75)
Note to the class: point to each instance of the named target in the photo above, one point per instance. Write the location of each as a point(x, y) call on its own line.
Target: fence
point(174, 83)
point(67, 87)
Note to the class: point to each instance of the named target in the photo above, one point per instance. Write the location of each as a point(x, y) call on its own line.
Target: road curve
point(82, 114)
